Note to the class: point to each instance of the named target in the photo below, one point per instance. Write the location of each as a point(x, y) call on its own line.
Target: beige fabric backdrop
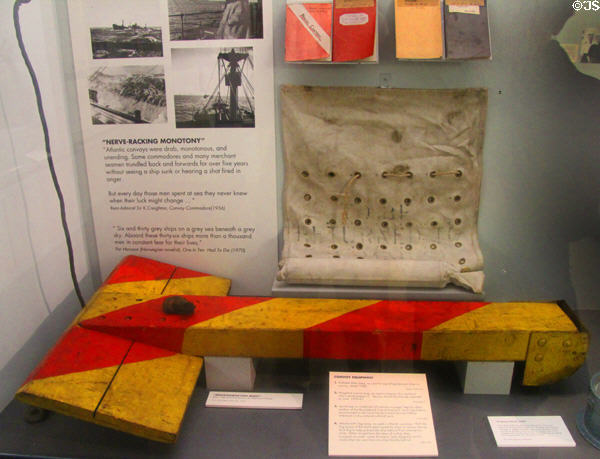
point(382, 186)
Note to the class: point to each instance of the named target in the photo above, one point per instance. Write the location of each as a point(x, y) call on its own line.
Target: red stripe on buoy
point(146, 322)
point(136, 269)
point(384, 330)
point(81, 350)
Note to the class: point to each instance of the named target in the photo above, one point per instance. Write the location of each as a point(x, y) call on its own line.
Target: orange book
point(419, 29)
point(308, 31)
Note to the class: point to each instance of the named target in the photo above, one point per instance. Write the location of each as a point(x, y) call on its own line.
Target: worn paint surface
point(126, 364)
point(114, 381)
point(149, 398)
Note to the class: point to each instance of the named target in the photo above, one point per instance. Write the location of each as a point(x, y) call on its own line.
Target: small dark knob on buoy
point(178, 305)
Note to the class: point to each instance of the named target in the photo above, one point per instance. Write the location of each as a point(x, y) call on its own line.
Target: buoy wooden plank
point(137, 280)
point(342, 329)
point(126, 364)
point(76, 373)
point(150, 393)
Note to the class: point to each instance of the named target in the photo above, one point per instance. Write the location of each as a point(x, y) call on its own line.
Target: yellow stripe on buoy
point(149, 398)
point(73, 394)
point(271, 328)
point(204, 286)
point(512, 316)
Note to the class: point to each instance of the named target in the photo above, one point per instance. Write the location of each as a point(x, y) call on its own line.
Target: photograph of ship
point(123, 29)
point(132, 94)
point(213, 87)
point(215, 19)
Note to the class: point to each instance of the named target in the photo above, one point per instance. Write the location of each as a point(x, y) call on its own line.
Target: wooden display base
point(127, 364)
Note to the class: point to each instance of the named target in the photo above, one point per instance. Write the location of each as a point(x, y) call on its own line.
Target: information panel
point(380, 414)
point(177, 114)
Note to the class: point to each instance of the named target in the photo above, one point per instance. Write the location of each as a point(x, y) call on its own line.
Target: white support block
point(491, 378)
point(229, 373)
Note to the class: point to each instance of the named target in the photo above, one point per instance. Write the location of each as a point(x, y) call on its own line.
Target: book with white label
point(308, 28)
point(355, 30)
point(466, 29)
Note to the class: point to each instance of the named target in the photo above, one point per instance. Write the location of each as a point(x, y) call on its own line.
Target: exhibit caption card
point(177, 118)
point(257, 400)
point(380, 414)
point(533, 431)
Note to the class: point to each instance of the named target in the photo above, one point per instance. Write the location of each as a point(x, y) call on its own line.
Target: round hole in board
point(383, 201)
point(305, 174)
point(407, 201)
point(308, 221)
point(408, 247)
point(307, 197)
point(334, 198)
point(458, 221)
point(459, 173)
point(332, 221)
point(357, 200)
point(383, 247)
point(462, 261)
point(357, 222)
point(457, 198)
point(458, 245)
point(433, 246)
point(434, 223)
point(409, 224)
point(331, 174)
point(334, 246)
point(359, 246)
point(384, 224)
point(430, 199)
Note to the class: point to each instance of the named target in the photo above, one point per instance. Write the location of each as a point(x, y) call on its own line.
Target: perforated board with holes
point(382, 186)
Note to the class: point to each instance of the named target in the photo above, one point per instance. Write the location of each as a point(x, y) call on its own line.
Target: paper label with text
point(380, 414)
point(530, 431)
point(257, 400)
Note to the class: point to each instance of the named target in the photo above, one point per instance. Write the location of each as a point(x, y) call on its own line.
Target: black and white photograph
point(215, 19)
point(133, 94)
point(124, 29)
point(213, 87)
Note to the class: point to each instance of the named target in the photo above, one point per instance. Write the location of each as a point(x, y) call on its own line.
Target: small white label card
point(466, 9)
point(257, 400)
point(380, 414)
point(534, 431)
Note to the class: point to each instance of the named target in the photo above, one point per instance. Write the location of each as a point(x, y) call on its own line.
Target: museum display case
point(194, 227)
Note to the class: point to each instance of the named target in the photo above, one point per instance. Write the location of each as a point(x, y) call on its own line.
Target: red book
point(308, 31)
point(354, 29)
